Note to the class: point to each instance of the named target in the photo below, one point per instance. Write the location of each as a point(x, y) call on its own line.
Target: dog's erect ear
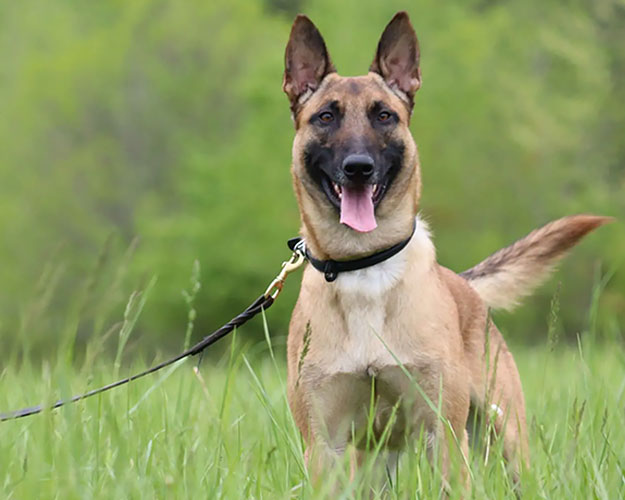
point(306, 61)
point(397, 58)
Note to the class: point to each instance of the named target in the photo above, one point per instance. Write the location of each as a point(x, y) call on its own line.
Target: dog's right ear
point(306, 61)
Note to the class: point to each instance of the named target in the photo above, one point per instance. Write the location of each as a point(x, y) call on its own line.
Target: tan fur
point(408, 314)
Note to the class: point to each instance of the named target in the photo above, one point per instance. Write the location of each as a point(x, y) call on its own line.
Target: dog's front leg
point(333, 466)
point(326, 464)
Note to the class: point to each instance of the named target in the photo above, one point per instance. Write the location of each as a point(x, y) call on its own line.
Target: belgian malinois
point(407, 330)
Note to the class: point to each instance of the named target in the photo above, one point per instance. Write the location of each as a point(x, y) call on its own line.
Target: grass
point(225, 431)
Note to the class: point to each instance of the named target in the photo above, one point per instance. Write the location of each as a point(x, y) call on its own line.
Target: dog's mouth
point(355, 202)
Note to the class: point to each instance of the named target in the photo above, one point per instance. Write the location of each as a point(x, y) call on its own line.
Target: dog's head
point(355, 164)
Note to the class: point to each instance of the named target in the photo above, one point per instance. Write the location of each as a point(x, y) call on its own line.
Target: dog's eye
point(326, 117)
point(384, 116)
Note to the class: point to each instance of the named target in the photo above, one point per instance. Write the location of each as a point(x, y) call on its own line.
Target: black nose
point(358, 167)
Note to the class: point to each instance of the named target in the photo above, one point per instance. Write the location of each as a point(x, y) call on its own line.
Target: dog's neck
point(377, 280)
point(332, 268)
point(333, 242)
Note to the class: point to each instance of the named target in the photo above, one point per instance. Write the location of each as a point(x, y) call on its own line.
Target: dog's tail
point(515, 271)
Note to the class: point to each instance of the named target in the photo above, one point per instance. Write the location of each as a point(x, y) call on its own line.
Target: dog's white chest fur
point(362, 297)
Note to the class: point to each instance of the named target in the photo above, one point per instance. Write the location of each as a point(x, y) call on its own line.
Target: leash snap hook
point(294, 263)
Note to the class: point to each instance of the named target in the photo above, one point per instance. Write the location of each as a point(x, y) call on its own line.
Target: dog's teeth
point(375, 188)
point(337, 189)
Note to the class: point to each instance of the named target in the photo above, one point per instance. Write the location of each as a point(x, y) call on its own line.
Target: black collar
point(332, 268)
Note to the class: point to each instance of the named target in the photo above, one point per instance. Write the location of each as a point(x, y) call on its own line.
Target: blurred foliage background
point(138, 136)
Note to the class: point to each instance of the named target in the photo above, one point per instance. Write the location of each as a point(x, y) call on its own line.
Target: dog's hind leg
point(498, 397)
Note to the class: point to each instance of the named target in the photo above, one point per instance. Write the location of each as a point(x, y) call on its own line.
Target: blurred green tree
point(165, 121)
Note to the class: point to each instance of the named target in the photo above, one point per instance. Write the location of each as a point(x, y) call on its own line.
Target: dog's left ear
point(306, 61)
point(397, 58)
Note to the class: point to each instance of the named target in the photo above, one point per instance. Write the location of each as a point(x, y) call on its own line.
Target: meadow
point(222, 429)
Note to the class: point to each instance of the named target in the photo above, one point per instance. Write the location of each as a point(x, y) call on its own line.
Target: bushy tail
point(515, 271)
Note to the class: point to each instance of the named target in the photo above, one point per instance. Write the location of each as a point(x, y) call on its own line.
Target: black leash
point(332, 268)
point(262, 303)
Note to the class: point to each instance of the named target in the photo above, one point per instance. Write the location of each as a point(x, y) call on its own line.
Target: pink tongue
point(357, 208)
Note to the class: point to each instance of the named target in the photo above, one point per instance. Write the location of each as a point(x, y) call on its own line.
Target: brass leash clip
point(294, 263)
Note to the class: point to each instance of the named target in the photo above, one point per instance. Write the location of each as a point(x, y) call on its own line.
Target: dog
point(404, 332)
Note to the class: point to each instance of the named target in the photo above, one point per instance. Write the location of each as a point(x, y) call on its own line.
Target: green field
point(226, 432)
